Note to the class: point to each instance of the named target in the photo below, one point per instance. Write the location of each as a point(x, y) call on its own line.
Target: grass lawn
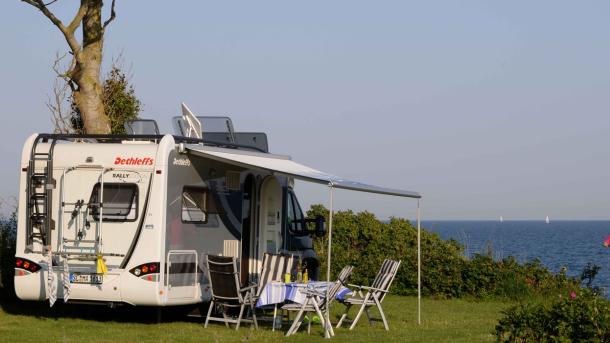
point(442, 321)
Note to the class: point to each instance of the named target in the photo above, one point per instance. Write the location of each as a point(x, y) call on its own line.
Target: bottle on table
point(299, 274)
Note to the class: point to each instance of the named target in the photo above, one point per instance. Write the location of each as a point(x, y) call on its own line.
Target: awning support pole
point(330, 239)
point(418, 263)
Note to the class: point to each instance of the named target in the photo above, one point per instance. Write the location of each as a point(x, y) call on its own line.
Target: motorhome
point(129, 218)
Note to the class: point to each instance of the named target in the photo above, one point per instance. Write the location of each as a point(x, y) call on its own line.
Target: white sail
point(501, 219)
point(547, 220)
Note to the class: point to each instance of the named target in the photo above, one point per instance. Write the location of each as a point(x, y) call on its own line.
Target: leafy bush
point(360, 239)
point(577, 316)
point(8, 234)
point(363, 241)
point(120, 102)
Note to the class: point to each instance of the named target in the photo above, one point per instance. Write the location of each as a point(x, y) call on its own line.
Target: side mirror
point(320, 226)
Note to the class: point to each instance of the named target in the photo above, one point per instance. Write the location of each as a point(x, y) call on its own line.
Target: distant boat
point(547, 220)
point(501, 219)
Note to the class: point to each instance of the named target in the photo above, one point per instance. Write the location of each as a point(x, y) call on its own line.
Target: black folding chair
point(226, 291)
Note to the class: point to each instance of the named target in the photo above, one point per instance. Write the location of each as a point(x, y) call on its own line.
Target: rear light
point(25, 264)
point(146, 269)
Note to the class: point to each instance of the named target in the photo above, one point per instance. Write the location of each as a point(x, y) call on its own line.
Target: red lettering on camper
point(133, 161)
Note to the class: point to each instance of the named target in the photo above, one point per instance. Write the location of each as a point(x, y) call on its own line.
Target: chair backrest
point(345, 274)
point(224, 278)
point(386, 275)
point(336, 286)
point(274, 268)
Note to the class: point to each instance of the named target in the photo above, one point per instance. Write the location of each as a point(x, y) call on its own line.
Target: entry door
point(249, 207)
point(270, 222)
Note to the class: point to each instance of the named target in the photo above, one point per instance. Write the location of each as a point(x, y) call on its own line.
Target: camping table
point(276, 292)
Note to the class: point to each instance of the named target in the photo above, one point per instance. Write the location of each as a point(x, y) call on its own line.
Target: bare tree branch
point(58, 103)
point(112, 15)
point(69, 35)
point(78, 18)
point(32, 2)
point(49, 3)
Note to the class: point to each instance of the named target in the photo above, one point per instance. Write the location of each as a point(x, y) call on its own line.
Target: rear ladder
point(40, 185)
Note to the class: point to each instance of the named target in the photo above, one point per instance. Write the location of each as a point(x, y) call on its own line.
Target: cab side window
point(295, 215)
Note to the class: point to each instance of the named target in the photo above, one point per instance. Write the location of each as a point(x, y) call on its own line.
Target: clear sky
point(487, 108)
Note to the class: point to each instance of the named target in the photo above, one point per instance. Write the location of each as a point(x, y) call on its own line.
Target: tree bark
point(84, 77)
point(86, 72)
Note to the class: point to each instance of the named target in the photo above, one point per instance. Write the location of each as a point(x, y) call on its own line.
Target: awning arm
point(418, 262)
point(330, 239)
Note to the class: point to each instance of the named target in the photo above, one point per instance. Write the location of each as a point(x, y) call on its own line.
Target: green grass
point(442, 321)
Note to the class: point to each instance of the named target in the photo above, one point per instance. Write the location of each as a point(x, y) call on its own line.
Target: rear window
point(120, 202)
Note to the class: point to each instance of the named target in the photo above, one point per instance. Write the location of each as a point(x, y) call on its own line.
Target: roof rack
point(44, 137)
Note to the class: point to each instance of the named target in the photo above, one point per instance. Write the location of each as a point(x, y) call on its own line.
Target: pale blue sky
point(487, 108)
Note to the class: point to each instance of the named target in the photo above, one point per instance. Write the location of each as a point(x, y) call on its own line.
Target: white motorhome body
point(149, 208)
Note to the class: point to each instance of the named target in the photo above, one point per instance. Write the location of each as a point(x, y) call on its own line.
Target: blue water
point(561, 243)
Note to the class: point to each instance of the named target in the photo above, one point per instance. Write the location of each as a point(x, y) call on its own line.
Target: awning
point(284, 165)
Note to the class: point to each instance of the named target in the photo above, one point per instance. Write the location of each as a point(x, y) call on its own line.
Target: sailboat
point(547, 220)
point(501, 219)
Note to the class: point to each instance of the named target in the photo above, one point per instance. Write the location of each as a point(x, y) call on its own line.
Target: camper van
point(129, 218)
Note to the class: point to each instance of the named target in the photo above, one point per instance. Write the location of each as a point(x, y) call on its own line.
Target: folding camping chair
point(317, 302)
point(273, 269)
point(374, 295)
point(226, 291)
point(275, 266)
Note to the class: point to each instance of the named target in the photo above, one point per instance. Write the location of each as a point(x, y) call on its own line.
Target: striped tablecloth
point(279, 292)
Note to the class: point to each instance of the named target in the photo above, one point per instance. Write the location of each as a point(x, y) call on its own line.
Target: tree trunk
point(86, 72)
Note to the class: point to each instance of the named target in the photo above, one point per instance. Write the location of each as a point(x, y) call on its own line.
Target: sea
point(561, 243)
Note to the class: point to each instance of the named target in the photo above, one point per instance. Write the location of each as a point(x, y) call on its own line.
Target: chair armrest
point(355, 286)
point(247, 288)
point(373, 289)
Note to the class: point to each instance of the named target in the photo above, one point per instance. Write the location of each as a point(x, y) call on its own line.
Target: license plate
point(93, 279)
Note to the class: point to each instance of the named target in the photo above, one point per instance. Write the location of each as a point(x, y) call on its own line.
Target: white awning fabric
point(284, 165)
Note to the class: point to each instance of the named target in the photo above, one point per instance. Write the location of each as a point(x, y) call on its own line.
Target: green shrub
point(8, 234)
point(360, 239)
point(364, 241)
point(577, 316)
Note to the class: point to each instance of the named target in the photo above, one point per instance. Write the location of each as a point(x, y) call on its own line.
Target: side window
point(120, 202)
point(195, 204)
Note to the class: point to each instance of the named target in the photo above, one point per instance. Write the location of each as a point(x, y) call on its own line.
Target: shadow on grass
point(122, 313)
point(100, 313)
